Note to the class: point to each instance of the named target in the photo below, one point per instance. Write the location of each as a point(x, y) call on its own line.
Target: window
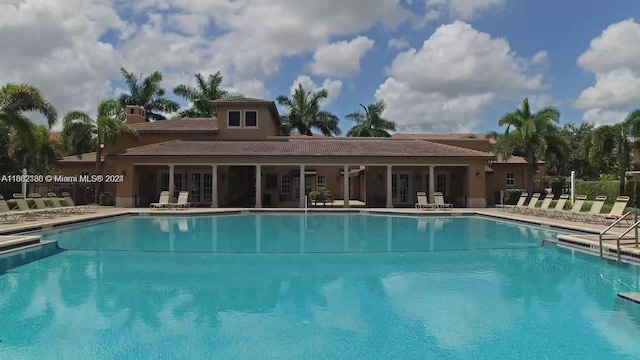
point(308, 186)
point(285, 184)
point(321, 181)
point(233, 118)
point(441, 183)
point(511, 179)
point(164, 181)
point(251, 118)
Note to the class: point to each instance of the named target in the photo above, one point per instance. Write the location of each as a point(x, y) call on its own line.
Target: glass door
point(196, 187)
point(400, 188)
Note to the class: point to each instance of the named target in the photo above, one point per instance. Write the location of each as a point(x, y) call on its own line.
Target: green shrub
point(557, 186)
point(591, 189)
point(511, 196)
point(106, 199)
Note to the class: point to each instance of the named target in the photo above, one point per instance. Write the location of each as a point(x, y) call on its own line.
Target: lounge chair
point(530, 208)
point(521, 201)
point(6, 214)
point(91, 208)
point(56, 204)
point(558, 210)
point(542, 210)
point(596, 207)
point(617, 211)
point(182, 203)
point(41, 205)
point(163, 201)
point(439, 201)
point(423, 203)
point(576, 208)
point(25, 210)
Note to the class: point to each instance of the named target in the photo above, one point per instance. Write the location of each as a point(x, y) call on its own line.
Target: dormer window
point(233, 117)
point(251, 119)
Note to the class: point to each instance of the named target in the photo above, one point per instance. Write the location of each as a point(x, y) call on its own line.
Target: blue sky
point(459, 66)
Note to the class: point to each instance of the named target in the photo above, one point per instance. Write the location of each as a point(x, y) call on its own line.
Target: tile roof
point(84, 158)
point(186, 124)
point(55, 135)
point(450, 136)
point(243, 100)
point(316, 148)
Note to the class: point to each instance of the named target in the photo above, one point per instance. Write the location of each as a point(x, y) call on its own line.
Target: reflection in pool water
point(508, 297)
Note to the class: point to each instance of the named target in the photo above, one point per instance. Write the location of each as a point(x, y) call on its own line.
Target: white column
point(258, 186)
point(389, 188)
point(345, 186)
point(302, 186)
point(171, 180)
point(214, 186)
point(432, 183)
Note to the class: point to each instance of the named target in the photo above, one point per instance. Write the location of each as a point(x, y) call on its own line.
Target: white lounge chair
point(530, 208)
point(423, 202)
point(91, 208)
point(439, 201)
point(509, 208)
point(617, 211)
point(542, 210)
point(559, 208)
point(182, 203)
point(163, 201)
point(25, 210)
point(7, 215)
point(595, 209)
point(56, 204)
point(47, 211)
point(576, 208)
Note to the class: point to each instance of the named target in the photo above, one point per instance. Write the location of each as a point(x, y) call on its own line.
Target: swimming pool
point(317, 286)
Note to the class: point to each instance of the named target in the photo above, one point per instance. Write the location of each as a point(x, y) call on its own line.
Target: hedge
point(511, 196)
point(591, 189)
point(14, 205)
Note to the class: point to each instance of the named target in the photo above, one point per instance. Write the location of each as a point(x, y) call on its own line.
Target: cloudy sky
point(441, 65)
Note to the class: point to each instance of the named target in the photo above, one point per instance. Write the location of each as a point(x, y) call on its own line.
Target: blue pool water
point(278, 286)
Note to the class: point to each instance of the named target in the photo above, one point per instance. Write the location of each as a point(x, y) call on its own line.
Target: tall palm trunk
point(622, 174)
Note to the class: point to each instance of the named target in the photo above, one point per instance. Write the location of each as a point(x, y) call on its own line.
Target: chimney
point(135, 114)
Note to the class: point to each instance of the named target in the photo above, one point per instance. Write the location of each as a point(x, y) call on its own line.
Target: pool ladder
point(635, 226)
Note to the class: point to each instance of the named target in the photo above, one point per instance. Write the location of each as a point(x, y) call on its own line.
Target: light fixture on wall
point(478, 174)
point(124, 173)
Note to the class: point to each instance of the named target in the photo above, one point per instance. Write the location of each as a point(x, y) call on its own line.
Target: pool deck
point(587, 243)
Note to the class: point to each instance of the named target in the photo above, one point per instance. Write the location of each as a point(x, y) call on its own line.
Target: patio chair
point(423, 203)
point(91, 208)
point(559, 208)
point(509, 208)
point(576, 208)
point(163, 201)
point(25, 210)
point(596, 207)
point(530, 208)
point(182, 203)
point(56, 204)
point(617, 212)
point(439, 201)
point(542, 210)
point(7, 215)
point(47, 211)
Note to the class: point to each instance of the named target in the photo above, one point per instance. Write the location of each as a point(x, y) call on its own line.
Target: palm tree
point(305, 114)
point(15, 100)
point(618, 140)
point(534, 136)
point(79, 128)
point(371, 123)
point(148, 93)
point(40, 155)
point(206, 90)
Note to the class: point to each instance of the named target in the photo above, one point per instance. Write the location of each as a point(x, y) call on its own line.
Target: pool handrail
point(609, 228)
point(634, 226)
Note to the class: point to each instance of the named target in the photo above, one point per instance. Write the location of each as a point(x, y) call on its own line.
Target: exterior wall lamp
point(478, 174)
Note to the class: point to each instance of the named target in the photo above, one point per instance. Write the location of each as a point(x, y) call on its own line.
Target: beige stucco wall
point(266, 126)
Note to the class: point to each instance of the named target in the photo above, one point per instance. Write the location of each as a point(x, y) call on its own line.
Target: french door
point(400, 188)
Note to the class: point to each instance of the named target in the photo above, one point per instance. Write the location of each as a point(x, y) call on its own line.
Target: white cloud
point(333, 87)
point(599, 116)
point(341, 58)
point(541, 57)
point(462, 9)
point(616, 67)
point(538, 101)
point(458, 72)
point(73, 49)
point(398, 44)
point(55, 45)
